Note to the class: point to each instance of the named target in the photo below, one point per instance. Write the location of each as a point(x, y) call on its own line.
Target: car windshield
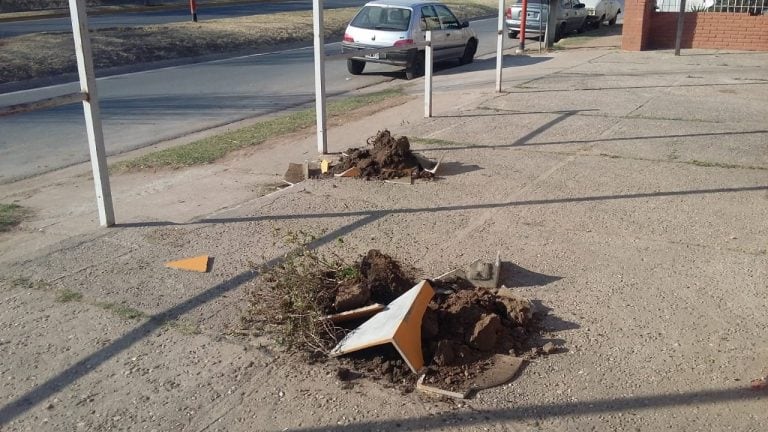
point(382, 18)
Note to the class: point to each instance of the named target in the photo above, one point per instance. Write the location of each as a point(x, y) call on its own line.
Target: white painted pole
point(92, 111)
point(428, 76)
point(319, 28)
point(500, 46)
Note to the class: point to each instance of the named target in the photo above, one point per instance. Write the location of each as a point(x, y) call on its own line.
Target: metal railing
point(751, 7)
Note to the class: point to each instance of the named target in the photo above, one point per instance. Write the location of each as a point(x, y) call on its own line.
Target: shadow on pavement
point(73, 373)
point(477, 418)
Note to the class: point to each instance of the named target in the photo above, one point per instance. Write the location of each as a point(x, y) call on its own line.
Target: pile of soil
point(462, 329)
point(386, 157)
point(380, 280)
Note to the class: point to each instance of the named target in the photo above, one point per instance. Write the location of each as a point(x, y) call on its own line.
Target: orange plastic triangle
point(196, 264)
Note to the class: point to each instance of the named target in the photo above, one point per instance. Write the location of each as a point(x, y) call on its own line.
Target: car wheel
point(355, 67)
point(613, 20)
point(559, 32)
point(469, 52)
point(416, 68)
point(583, 27)
point(513, 35)
point(598, 22)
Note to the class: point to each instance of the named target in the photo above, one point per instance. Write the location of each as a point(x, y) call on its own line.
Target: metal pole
point(500, 46)
point(193, 9)
point(318, 23)
point(428, 76)
point(541, 36)
point(523, 19)
point(91, 111)
point(680, 20)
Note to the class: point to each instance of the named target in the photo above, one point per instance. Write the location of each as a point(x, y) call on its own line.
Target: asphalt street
point(204, 13)
point(143, 108)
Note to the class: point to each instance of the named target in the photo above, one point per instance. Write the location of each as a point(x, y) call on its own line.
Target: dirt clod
point(549, 348)
point(485, 333)
point(384, 277)
point(351, 295)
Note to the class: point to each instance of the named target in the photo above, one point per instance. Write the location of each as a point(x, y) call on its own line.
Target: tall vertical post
point(500, 46)
point(680, 21)
point(523, 21)
point(92, 112)
point(193, 9)
point(428, 60)
point(318, 23)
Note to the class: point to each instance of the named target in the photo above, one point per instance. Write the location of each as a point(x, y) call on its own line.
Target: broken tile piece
point(399, 324)
point(485, 275)
point(352, 172)
point(295, 173)
point(359, 313)
point(438, 391)
point(195, 264)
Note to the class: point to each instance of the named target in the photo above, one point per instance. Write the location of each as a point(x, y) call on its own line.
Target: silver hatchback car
point(393, 23)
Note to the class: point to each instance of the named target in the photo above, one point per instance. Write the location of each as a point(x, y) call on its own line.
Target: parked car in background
point(572, 17)
point(393, 23)
point(599, 11)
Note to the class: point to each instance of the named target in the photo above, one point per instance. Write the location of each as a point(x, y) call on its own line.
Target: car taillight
point(348, 38)
point(508, 13)
point(403, 42)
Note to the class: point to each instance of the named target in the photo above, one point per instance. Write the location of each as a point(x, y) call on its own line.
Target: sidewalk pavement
point(628, 192)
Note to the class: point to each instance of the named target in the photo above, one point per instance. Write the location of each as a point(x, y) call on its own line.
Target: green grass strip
point(122, 311)
point(208, 150)
point(11, 215)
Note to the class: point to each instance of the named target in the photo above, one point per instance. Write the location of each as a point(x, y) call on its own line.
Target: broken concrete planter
point(399, 324)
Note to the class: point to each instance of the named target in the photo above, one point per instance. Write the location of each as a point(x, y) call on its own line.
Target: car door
point(454, 36)
point(431, 21)
point(566, 14)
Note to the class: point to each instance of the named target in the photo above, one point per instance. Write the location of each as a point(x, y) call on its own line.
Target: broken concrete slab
point(438, 391)
point(296, 173)
point(427, 164)
point(399, 324)
point(195, 264)
point(501, 370)
point(483, 274)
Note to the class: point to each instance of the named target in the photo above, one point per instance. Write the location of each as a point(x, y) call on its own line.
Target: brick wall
point(646, 29)
point(637, 24)
point(709, 30)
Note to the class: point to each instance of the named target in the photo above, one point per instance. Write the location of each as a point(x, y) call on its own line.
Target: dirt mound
point(471, 325)
point(463, 328)
point(386, 157)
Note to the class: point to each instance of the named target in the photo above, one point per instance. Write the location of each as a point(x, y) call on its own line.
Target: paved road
point(140, 109)
point(168, 16)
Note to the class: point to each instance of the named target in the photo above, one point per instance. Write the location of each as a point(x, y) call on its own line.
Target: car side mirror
point(464, 24)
